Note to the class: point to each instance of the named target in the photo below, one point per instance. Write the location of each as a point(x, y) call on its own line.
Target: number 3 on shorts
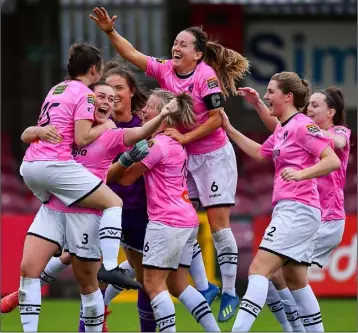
point(85, 239)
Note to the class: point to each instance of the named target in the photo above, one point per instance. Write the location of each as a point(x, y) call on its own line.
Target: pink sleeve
point(85, 108)
point(310, 137)
point(209, 83)
point(343, 131)
point(267, 147)
point(155, 154)
point(114, 141)
point(156, 67)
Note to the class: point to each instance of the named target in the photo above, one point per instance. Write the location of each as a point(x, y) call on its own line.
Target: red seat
point(350, 203)
point(264, 205)
point(244, 205)
point(13, 203)
point(262, 183)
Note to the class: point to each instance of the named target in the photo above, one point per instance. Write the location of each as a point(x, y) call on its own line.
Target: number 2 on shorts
point(273, 229)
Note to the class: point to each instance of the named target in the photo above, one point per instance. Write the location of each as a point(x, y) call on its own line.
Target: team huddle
point(114, 166)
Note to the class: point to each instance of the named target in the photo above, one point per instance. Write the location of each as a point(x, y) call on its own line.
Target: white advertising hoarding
point(323, 53)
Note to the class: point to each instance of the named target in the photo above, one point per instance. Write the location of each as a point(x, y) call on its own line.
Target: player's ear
point(93, 70)
point(198, 56)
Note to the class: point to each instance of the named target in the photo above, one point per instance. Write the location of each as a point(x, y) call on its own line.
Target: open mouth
point(177, 56)
point(102, 111)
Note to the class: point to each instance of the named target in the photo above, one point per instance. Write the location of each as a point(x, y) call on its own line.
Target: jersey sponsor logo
point(212, 83)
point(91, 99)
point(285, 135)
point(276, 153)
point(79, 151)
point(340, 130)
point(59, 90)
point(191, 87)
point(161, 61)
point(185, 196)
point(313, 128)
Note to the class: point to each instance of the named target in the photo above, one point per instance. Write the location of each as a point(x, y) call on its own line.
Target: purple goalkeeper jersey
point(133, 196)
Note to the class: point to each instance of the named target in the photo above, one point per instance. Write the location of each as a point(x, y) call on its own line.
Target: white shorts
point(291, 230)
point(328, 236)
point(168, 247)
point(68, 180)
point(212, 177)
point(49, 225)
point(82, 236)
point(76, 233)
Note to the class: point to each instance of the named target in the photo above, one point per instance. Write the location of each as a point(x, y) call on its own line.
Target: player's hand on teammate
point(49, 134)
point(226, 122)
point(169, 108)
point(175, 135)
point(289, 174)
point(138, 152)
point(250, 95)
point(102, 19)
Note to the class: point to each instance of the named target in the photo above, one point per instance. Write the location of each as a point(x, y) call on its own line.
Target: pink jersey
point(297, 144)
point(203, 86)
point(97, 158)
point(167, 192)
point(64, 104)
point(331, 186)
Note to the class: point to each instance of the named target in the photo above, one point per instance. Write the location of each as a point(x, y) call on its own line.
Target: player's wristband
point(108, 31)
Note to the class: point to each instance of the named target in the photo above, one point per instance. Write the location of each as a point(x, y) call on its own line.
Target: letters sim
point(299, 58)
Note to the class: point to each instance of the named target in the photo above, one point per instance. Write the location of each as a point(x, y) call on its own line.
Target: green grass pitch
point(339, 315)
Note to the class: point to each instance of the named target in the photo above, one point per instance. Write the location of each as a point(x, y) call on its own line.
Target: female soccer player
point(301, 153)
point(77, 227)
point(326, 109)
point(50, 169)
point(130, 100)
point(173, 222)
point(207, 71)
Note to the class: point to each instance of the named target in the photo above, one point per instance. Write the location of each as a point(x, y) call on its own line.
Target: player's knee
point(295, 276)
point(177, 286)
point(153, 287)
point(261, 267)
point(278, 280)
point(219, 218)
point(30, 268)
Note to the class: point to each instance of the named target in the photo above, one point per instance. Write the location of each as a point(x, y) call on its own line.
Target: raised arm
point(135, 134)
point(252, 97)
point(86, 134)
point(248, 146)
point(122, 46)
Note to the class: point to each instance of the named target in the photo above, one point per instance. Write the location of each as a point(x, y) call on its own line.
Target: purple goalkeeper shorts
point(134, 224)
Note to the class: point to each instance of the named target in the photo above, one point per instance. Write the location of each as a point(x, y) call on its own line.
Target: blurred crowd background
point(315, 38)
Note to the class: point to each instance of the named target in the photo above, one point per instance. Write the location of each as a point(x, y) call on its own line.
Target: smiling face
point(104, 103)
point(150, 109)
point(123, 93)
point(184, 55)
point(276, 99)
point(319, 111)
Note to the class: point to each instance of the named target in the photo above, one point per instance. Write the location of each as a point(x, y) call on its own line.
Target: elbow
point(336, 163)
point(80, 142)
